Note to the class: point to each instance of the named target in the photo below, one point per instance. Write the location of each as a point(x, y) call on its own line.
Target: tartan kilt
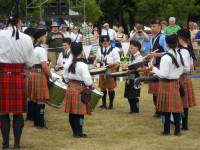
point(189, 99)
point(37, 87)
point(153, 87)
point(169, 99)
point(73, 103)
point(108, 83)
point(13, 95)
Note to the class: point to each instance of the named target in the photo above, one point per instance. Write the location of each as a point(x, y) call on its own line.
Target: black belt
point(80, 83)
point(12, 73)
point(168, 80)
point(184, 74)
point(38, 66)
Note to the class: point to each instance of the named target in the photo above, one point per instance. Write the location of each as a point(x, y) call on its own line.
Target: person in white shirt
point(169, 99)
point(76, 36)
point(130, 92)
point(16, 53)
point(38, 89)
point(63, 29)
point(77, 76)
point(65, 55)
point(107, 55)
point(109, 32)
point(188, 99)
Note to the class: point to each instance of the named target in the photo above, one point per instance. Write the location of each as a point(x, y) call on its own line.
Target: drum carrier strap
point(107, 53)
point(174, 61)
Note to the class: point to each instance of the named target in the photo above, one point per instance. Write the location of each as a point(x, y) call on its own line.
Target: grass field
point(113, 129)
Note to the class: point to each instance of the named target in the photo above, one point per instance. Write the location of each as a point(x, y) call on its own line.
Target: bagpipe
point(146, 80)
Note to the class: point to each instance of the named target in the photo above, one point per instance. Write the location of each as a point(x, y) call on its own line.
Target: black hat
point(39, 33)
point(184, 33)
point(67, 40)
point(76, 49)
point(155, 21)
point(171, 39)
point(104, 38)
point(30, 31)
point(136, 44)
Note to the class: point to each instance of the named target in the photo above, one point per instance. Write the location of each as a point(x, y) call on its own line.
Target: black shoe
point(165, 134)
point(5, 147)
point(17, 147)
point(177, 134)
point(172, 122)
point(131, 112)
point(103, 107)
point(156, 116)
point(184, 129)
point(110, 107)
point(45, 128)
point(82, 136)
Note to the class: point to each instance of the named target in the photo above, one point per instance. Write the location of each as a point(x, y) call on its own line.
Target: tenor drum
point(118, 74)
point(137, 65)
point(57, 93)
point(95, 97)
point(98, 71)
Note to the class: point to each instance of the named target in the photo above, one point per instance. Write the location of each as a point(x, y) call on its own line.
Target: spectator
point(195, 26)
point(107, 31)
point(95, 31)
point(120, 37)
point(76, 36)
point(134, 30)
point(172, 28)
point(141, 37)
point(164, 25)
point(63, 29)
point(54, 43)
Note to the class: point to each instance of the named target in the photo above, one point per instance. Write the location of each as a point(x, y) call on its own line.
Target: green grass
point(113, 129)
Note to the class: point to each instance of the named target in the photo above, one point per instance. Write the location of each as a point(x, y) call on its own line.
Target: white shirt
point(65, 34)
point(82, 73)
point(112, 57)
point(40, 55)
point(186, 59)
point(111, 33)
point(74, 37)
point(190, 59)
point(167, 69)
point(61, 61)
point(16, 51)
point(131, 33)
point(137, 58)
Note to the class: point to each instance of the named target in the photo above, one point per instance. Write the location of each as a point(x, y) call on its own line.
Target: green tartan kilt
point(169, 99)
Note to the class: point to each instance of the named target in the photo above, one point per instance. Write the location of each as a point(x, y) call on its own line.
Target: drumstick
point(151, 61)
point(152, 52)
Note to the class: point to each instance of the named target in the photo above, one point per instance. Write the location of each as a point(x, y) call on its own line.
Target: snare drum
point(118, 74)
point(136, 65)
point(98, 71)
point(95, 97)
point(57, 93)
point(55, 75)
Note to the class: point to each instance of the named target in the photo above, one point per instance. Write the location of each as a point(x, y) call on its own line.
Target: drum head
point(60, 72)
point(98, 71)
point(118, 74)
point(56, 75)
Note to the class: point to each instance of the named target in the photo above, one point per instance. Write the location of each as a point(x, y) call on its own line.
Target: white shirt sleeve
point(98, 55)
point(59, 61)
point(86, 75)
point(42, 55)
point(30, 58)
point(186, 58)
point(116, 57)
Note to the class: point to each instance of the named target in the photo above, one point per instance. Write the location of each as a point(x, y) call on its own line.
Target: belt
point(168, 80)
point(12, 73)
point(184, 74)
point(80, 83)
point(38, 66)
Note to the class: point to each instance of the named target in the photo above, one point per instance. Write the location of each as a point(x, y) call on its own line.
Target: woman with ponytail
point(77, 76)
point(187, 52)
point(169, 100)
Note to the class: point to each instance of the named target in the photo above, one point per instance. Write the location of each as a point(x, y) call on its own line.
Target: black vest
point(156, 45)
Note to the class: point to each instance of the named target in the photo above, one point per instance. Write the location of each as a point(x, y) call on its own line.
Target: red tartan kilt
point(153, 87)
point(169, 99)
point(73, 103)
point(37, 87)
point(189, 99)
point(108, 83)
point(13, 95)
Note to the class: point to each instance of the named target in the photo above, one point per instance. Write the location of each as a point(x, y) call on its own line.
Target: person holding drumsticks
point(130, 92)
point(38, 89)
point(77, 76)
point(107, 56)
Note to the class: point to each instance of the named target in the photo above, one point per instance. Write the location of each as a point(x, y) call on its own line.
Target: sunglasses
point(90, 25)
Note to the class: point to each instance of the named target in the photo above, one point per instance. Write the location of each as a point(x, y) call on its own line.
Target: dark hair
point(136, 44)
point(104, 38)
point(76, 50)
point(139, 27)
point(172, 41)
point(67, 40)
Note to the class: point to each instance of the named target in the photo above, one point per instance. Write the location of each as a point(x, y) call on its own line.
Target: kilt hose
point(37, 86)
point(73, 103)
point(169, 99)
point(107, 83)
point(189, 99)
point(13, 95)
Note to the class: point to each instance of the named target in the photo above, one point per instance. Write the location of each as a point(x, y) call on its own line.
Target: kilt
point(130, 92)
point(153, 87)
point(13, 96)
point(189, 99)
point(73, 103)
point(169, 99)
point(108, 83)
point(37, 86)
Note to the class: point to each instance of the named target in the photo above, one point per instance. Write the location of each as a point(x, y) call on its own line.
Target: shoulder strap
point(174, 61)
point(76, 37)
point(179, 52)
point(110, 50)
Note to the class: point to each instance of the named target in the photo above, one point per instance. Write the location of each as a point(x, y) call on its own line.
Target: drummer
point(107, 55)
point(130, 92)
point(38, 89)
point(65, 55)
point(77, 76)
